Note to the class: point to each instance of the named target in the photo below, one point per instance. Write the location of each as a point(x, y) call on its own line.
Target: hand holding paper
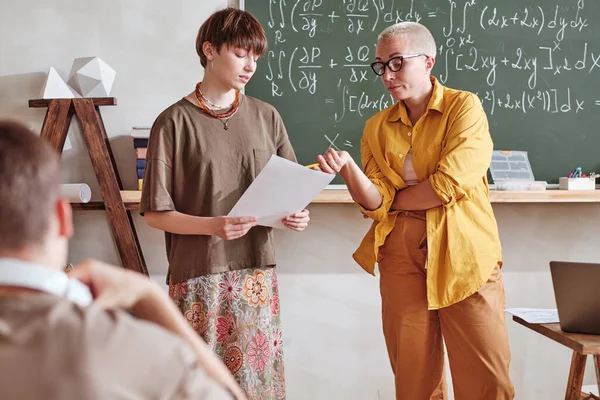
point(232, 228)
point(297, 222)
point(281, 189)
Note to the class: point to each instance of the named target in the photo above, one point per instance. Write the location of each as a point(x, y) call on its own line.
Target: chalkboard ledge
point(132, 197)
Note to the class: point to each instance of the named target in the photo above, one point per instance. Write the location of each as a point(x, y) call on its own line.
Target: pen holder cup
point(565, 183)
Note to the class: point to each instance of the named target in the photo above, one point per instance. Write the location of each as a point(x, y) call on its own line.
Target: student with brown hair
point(204, 152)
point(54, 344)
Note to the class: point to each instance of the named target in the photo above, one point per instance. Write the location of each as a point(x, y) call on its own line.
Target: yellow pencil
point(312, 165)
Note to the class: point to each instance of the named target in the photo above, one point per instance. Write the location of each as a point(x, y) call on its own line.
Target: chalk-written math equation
point(524, 59)
point(306, 68)
point(301, 69)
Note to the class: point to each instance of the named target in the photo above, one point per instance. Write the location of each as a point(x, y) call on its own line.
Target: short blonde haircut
point(420, 38)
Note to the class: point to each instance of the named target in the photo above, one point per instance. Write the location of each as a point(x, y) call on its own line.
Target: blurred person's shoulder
point(110, 353)
point(144, 355)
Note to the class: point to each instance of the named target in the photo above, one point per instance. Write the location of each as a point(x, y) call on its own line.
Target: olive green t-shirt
point(196, 167)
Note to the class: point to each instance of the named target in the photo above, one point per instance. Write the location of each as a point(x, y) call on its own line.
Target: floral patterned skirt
point(237, 314)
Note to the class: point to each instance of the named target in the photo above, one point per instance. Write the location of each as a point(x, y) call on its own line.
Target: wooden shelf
point(546, 196)
point(58, 118)
point(131, 198)
point(98, 205)
point(97, 101)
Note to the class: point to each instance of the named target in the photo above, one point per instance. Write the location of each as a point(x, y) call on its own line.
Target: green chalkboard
point(535, 65)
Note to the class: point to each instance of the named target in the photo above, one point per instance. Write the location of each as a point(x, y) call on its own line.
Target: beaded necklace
point(224, 117)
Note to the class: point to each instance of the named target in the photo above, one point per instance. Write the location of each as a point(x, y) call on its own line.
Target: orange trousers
point(474, 329)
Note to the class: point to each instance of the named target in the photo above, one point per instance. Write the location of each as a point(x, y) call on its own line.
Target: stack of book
point(140, 144)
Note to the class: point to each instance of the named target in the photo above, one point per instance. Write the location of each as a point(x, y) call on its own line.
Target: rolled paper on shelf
point(76, 192)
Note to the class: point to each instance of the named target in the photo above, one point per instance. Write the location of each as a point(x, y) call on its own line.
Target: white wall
point(331, 315)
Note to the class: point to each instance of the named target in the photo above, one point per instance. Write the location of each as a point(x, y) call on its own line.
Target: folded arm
point(463, 164)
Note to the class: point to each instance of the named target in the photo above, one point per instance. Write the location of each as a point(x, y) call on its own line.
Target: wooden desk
point(131, 198)
point(582, 346)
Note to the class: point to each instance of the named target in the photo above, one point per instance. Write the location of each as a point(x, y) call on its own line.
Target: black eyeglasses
point(394, 63)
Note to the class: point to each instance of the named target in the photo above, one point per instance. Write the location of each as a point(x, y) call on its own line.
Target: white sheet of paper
point(282, 188)
point(535, 315)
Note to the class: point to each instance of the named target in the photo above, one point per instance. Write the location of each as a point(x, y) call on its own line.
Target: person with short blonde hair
point(204, 152)
point(434, 235)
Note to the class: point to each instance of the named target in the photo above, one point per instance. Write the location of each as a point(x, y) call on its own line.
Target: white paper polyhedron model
point(55, 87)
point(91, 77)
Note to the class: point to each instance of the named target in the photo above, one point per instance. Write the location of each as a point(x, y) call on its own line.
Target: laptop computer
point(576, 289)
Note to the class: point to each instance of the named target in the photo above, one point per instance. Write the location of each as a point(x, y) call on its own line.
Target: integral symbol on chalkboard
point(534, 65)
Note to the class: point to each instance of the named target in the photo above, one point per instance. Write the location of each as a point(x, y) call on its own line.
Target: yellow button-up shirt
point(452, 147)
